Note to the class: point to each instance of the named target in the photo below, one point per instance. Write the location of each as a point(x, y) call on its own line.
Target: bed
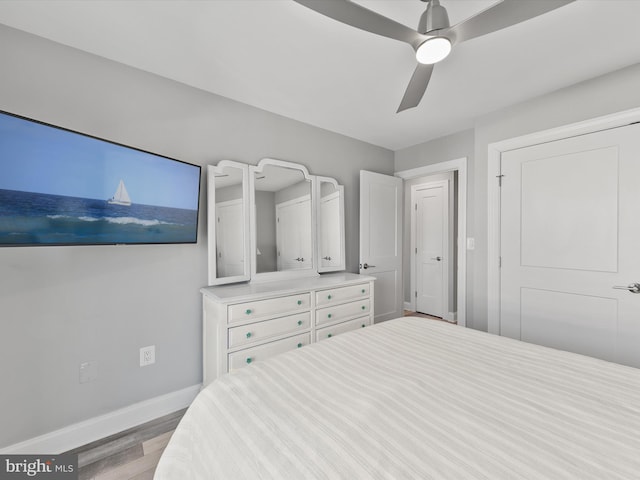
point(413, 399)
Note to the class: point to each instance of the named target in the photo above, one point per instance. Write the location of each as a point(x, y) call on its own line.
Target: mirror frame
point(281, 275)
point(211, 226)
point(340, 190)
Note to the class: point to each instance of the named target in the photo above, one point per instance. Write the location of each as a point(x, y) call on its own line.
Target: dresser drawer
point(342, 312)
point(256, 332)
point(332, 331)
point(342, 294)
point(255, 354)
point(271, 307)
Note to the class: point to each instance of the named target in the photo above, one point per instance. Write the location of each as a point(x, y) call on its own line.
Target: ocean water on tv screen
point(28, 218)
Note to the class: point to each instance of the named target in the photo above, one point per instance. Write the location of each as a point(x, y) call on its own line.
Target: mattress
point(413, 399)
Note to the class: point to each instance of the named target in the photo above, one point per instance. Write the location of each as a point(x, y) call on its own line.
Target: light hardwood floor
point(129, 455)
point(408, 313)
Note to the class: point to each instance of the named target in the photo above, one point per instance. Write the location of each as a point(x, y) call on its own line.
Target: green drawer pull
point(329, 316)
point(299, 322)
point(364, 325)
point(249, 360)
point(248, 334)
point(330, 335)
point(363, 290)
point(363, 307)
point(299, 345)
point(328, 297)
point(248, 311)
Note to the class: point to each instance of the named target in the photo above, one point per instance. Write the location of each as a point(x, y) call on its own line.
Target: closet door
point(293, 234)
point(330, 255)
point(230, 251)
point(431, 248)
point(570, 272)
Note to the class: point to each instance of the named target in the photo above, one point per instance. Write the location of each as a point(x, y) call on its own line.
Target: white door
point(381, 240)
point(570, 234)
point(229, 238)
point(431, 207)
point(330, 230)
point(293, 237)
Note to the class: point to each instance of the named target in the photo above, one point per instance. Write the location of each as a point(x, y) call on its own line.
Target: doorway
point(457, 241)
point(432, 253)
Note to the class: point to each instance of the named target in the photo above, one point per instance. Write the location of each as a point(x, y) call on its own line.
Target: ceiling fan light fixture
point(433, 50)
point(435, 17)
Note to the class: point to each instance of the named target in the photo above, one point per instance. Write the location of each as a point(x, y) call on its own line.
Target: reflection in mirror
point(227, 227)
point(283, 219)
point(330, 225)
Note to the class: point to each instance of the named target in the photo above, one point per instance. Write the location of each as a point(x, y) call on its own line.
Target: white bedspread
point(414, 399)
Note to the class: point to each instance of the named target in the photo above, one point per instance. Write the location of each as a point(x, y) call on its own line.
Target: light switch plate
point(88, 371)
point(471, 243)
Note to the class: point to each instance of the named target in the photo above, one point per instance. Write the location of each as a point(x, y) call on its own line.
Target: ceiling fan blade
point(416, 88)
point(357, 16)
point(502, 15)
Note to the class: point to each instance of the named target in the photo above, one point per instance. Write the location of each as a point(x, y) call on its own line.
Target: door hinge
point(416, 294)
point(416, 249)
point(416, 207)
point(499, 177)
point(499, 262)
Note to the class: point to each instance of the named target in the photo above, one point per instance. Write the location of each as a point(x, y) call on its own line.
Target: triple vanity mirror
point(271, 221)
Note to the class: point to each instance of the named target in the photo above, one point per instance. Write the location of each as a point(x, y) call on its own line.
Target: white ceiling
point(282, 57)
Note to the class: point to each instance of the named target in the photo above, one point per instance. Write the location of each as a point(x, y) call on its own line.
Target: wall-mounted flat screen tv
point(59, 187)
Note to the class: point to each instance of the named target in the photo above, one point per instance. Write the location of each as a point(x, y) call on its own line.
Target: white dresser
point(246, 323)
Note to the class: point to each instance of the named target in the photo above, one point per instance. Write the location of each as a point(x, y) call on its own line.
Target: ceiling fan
point(434, 37)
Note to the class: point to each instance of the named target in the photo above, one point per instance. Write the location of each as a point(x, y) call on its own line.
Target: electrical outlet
point(88, 372)
point(147, 355)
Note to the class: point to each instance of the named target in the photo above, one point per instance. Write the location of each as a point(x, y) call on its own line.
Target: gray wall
point(61, 306)
point(614, 92)
point(296, 190)
point(441, 149)
point(226, 194)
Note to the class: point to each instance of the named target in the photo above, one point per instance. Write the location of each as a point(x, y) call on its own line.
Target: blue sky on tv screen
point(43, 159)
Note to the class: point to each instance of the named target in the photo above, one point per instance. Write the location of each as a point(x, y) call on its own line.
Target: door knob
point(366, 265)
point(326, 258)
point(633, 287)
point(436, 258)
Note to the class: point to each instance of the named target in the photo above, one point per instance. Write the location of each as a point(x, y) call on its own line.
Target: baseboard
point(451, 317)
point(407, 306)
point(93, 429)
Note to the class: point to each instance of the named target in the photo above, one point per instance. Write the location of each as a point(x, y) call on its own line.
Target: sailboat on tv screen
point(121, 197)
